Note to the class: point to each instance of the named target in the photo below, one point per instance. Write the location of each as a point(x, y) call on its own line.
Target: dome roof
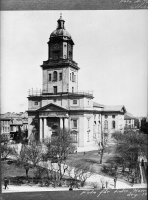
point(60, 32)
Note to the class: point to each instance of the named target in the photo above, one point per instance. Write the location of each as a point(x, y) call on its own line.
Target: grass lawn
point(93, 158)
point(10, 170)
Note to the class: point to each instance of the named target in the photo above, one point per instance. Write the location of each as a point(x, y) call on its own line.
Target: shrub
point(95, 185)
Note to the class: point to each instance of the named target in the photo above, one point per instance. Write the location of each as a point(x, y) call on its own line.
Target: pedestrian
point(133, 180)
point(115, 180)
point(103, 187)
point(70, 188)
point(142, 162)
point(6, 183)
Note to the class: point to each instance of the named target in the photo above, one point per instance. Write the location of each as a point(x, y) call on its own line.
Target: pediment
point(52, 107)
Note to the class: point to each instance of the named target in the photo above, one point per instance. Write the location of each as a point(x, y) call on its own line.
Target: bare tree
point(83, 170)
point(6, 150)
point(118, 136)
point(58, 149)
point(102, 180)
point(132, 144)
point(30, 155)
point(101, 147)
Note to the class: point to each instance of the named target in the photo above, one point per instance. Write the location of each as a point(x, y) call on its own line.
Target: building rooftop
point(128, 116)
point(98, 105)
point(10, 115)
point(116, 108)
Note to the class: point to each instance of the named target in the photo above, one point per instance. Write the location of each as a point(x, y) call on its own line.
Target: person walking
point(6, 183)
point(115, 180)
point(70, 188)
point(142, 163)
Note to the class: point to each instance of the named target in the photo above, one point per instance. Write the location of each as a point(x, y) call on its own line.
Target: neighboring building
point(129, 120)
point(5, 127)
point(113, 118)
point(61, 104)
point(13, 123)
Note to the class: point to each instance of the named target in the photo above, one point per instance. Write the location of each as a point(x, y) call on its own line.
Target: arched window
point(72, 89)
point(54, 76)
point(113, 124)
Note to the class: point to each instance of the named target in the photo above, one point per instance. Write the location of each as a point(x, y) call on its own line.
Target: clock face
point(56, 47)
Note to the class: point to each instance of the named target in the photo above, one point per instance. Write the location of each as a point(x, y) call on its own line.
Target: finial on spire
point(60, 22)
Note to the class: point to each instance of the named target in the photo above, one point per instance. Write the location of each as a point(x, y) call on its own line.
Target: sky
point(111, 49)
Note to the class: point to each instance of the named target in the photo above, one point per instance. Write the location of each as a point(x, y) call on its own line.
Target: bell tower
point(60, 72)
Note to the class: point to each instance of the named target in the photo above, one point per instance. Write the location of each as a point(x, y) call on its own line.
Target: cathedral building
point(61, 104)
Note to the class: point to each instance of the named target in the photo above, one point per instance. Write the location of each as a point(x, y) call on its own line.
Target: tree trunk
point(123, 169)
point(101, 156)
point(27, 170)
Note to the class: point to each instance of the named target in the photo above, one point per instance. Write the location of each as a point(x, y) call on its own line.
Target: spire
point(60, 22)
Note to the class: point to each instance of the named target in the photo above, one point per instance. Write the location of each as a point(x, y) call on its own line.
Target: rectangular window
point(11, 128)
point(74, 123)
point(60, 76)
point(74, 101)
point(49, 77)
point(36, 103)
point(54, 89)
point(73, 76)
point(70, 76)
point(74, 136)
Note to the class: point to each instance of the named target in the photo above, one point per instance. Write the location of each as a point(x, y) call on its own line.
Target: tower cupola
point(60, 30)
point(60, 43)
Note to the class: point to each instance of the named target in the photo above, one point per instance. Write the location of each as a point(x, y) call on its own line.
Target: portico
point(51, 118)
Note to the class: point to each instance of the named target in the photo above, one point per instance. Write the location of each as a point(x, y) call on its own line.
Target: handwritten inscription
point(136, 4)
point(132, 193)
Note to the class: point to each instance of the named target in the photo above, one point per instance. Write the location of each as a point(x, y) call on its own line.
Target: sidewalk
point(26, 188)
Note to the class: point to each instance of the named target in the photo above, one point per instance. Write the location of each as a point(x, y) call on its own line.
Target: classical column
point(41, 129)
point(61, 123)
point(45, 128)
point(66, 123)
